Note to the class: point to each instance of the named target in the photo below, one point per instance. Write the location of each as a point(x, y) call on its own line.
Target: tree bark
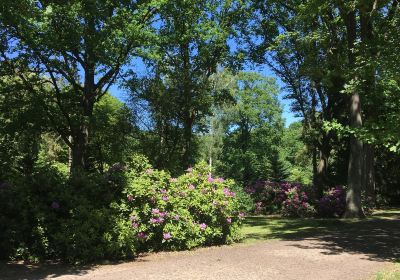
point(321, 177)
point(369, 172)
point(355, 167)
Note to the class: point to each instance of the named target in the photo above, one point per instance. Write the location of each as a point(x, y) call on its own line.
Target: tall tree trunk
point(80, 134)
point(188, 115)
point(355, 167)
point(355, 170)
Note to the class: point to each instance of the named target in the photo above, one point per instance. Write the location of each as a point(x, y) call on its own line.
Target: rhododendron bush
point(288, 199)
point(179, 213)
point(131, 208)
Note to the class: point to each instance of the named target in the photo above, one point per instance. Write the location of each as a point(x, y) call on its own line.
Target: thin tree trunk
point(321, 177)
point(369, 172)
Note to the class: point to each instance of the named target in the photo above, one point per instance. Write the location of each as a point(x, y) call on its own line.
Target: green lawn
point(389, 274)
point(261, 228)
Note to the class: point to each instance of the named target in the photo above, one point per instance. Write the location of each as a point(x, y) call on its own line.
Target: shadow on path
point(32, 272)
point(378, 237)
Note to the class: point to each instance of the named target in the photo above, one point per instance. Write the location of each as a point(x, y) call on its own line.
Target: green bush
point(180, 213)
point(129, 209)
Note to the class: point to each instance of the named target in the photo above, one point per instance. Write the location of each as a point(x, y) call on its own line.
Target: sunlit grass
point(262, 228)
point(389, 274)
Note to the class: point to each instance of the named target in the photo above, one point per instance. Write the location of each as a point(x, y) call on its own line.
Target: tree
point(254, 128)
point(324, 52)
point(177, 92)
point(76, 49)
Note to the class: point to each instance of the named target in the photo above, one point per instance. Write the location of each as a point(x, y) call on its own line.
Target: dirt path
point(306, 259)
point(355, 251)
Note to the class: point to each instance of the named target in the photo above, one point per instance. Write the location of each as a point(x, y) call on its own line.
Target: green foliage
point(252, 124)
point(135, 209)
point(180, 213)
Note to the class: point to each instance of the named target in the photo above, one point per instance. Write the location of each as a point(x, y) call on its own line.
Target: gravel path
point(306, 259)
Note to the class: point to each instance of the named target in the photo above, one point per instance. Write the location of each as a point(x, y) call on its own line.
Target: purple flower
point(155, 211)
point(156, 220)
point(163, 191)
point(149, 171)
point(135, 225)
point(229, 220)
point(220, 180)
point(191, 187)
point(55, 205)
point(176, 217)
point(130, 198)
point(241, 215)
point(163, 214)
point(203, 226)
point(142, 235)
point(210, 179)
point(165, 198)
point(167, 236)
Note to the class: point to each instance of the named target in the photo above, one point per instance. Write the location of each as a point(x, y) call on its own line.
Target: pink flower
point(220, 180)
point(163, 214)
point(135, 225)
point(130, 198)
point(229, 220)
point(167, 236)
point(190, 170)
point(191, 187)
point(142, 235)
point(241, 215)
point(133, 218)
point(55, 205)
point(210, 179)
point(227, 192)
point(203, 226)
point(155, 211)
point(163, 191)
point(156, 220)
point(165, 198)
point(149, 171)
point(176, 217)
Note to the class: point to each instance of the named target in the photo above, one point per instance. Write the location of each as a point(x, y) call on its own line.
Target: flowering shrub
point(292, 200)
point(180, 213)
point(129, 209)
point(333, 203)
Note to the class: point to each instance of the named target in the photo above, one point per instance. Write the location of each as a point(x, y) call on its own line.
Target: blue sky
point(289, 117)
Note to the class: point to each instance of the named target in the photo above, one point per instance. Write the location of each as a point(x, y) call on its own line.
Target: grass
point(262, 228)
point(389, 274)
